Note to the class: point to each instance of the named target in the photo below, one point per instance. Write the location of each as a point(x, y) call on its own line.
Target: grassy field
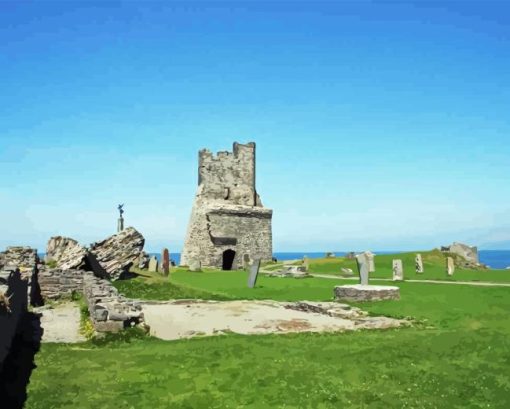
point(457, 356)
point(434, 265)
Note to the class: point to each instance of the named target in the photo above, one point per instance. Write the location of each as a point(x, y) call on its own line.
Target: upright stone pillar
point(450, 266)
point(165, 262)
point(398, 270)
point(418, 261)
point(120, 224)
point(363, 268)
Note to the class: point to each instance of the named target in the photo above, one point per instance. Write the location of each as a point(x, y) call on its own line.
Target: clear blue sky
point(378, 125)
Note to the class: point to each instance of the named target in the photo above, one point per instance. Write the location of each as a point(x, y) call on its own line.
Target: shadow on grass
point(18, 365)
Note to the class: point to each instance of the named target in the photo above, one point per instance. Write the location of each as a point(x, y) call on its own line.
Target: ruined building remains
point(228, 223)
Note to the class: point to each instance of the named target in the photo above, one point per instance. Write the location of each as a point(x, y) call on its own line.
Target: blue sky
point(380, 125)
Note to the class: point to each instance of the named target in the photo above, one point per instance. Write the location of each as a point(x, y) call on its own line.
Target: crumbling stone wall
point(227, 214)
point(26, 260)
point(13, 305)
point(57, 283)
point(109, 311)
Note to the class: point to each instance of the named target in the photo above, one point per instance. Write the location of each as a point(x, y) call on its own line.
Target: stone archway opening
point(228, 259)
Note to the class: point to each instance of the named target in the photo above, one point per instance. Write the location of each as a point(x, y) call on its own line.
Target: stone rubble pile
point(291, 272)
point(333, 309)
point(338, 310)
point(24, 258)
point(109, 311)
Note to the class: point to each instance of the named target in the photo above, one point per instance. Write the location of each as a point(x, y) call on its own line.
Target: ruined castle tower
point(228, 220)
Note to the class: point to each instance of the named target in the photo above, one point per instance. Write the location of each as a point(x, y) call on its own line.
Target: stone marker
point(347, 272)
point(363, 268)
point(246, 261)
point(306, 263)
point(450, 266)
point(195, 265)
point(153, 264)
point(418, 261)
point(364, 291)
point(371, 262)
point(398, 270)
point(254, 272)
point(165, 262)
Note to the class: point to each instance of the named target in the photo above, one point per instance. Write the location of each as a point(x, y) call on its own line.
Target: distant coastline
point(496, 259)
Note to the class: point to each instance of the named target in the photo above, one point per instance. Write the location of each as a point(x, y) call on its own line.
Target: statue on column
point(120, 223)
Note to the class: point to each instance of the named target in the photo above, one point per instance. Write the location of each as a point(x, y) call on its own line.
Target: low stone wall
point(360, 293)
point(109, 311)
point(57, 283)
point(13, 305)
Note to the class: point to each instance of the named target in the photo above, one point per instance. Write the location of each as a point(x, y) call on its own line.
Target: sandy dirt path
point(472, 283)
point(61, 323)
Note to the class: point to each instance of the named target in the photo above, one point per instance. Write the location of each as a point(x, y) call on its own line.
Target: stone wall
point(227, 216)
point(109, 311)
point(58, 283)
point(13, 305)
point(26, 260)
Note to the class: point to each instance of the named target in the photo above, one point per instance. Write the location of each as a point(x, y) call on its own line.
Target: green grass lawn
point(458, 356)
point(434, 264)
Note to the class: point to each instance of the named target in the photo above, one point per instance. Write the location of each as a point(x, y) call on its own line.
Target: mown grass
point(460, 358)
point(434, 265)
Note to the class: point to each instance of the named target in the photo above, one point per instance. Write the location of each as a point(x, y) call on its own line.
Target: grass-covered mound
point(457, 357)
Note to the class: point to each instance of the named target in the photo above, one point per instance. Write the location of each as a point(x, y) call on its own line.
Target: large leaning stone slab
point(66, 253)
point(360, 293)
point(117, 253)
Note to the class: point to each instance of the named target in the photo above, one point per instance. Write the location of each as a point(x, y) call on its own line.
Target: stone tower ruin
point(228, 223)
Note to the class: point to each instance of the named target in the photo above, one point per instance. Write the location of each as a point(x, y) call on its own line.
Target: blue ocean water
point(497, 259)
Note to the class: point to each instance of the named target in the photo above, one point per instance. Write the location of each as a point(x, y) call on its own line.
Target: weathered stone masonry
point(227, 220)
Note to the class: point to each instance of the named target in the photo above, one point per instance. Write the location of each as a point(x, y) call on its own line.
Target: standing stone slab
point(306, 263)
point(363, 268)
point(371, 262)
point(450, 266)
point(195, 265)
point(153, 264)
point(254, 272)
point(165, 262)
point(398, 270)
point(246, 261)
point(418, 261)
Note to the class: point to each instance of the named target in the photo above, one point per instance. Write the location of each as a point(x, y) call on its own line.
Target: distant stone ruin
point(468, 255)
point(228, 219)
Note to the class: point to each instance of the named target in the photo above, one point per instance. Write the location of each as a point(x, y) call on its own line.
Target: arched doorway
point(228, 259)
